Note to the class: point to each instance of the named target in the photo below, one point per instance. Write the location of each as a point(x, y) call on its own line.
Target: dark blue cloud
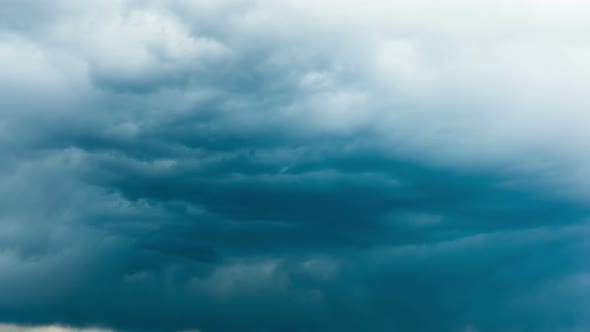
point(182, 168)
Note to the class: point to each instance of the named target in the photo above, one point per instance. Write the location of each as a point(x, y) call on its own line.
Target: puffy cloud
point(293, 166)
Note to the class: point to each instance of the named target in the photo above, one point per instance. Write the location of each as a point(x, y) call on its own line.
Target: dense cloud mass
point(296, 165)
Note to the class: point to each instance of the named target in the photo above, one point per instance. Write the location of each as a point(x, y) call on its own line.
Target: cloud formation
point(341, 166)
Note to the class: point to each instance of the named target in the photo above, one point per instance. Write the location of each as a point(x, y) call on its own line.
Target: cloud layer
point(341, 166)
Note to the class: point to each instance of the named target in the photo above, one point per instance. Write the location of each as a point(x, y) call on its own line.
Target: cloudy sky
point(294, 166)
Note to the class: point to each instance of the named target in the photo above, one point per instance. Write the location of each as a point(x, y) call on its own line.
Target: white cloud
point(128, 44)
point(34, 78)
point(492, 85)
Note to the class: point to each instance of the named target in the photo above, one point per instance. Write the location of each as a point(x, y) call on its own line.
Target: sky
point(294, 166)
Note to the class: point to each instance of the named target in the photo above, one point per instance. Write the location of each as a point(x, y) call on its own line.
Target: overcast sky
point(294, 166)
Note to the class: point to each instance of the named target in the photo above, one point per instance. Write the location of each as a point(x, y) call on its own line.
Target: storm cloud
point(221, 166)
